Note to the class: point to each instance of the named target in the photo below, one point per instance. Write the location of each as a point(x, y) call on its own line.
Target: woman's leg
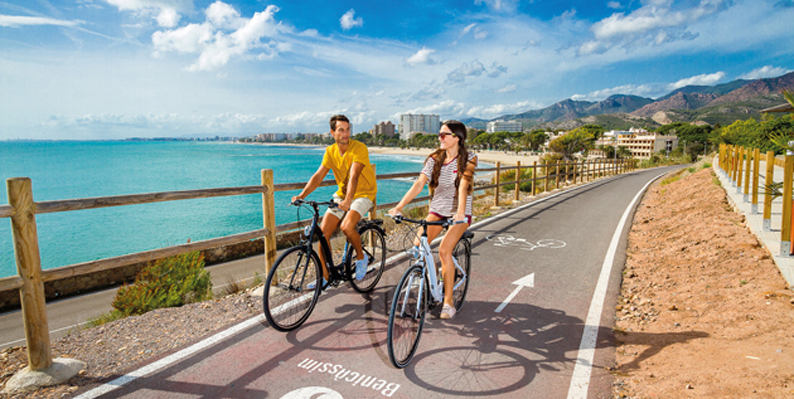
point(445, 253)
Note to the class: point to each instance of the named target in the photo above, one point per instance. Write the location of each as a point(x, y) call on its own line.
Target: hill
point(724, 103)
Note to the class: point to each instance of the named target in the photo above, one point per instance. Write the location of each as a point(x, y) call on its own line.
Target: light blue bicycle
point(420, 289)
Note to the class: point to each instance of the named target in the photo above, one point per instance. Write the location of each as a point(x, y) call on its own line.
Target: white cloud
point(215, 41)
point(496, 110)
point(506, 6)
point(507, 89)
point(699, 80)
point(656, 22)
point(421, 57)
point(168, 18)
point(13, 21)
point(598, 95)
point(767, 71)
point(349, 20)
point(165, 12)
point(614, 5)
point(474, 68)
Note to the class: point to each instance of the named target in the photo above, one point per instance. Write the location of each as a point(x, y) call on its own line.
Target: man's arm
point(352, 185)
point(313, 183)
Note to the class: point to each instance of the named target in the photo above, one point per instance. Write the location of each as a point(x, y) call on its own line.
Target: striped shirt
point(445, 197)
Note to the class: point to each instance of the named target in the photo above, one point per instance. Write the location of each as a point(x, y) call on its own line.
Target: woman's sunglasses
point(444, 134)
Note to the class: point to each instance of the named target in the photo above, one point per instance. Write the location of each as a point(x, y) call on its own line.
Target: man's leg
point(328, 226)
point(349, 229)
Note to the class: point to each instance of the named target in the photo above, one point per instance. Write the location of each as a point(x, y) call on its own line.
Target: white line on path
point(169, 360)
point(580, 381)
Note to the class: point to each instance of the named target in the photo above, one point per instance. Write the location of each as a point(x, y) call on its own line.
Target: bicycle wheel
point(288, 301)
point(461, 253)
point(374, 245)
point(407, 317)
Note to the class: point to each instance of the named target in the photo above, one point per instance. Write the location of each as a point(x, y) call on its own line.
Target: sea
point(62, 170)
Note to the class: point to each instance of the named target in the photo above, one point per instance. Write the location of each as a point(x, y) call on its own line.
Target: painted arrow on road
point(526, 281)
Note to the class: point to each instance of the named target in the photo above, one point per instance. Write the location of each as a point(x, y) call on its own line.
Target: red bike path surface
point(532, 347)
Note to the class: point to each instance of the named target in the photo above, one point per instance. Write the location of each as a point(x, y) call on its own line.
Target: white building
point(504, 126)
point(641, 143)
point(411, 124)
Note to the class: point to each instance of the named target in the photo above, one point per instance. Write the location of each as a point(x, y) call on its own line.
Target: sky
point(113, 69)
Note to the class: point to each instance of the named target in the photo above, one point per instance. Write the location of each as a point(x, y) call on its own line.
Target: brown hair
point(439, 156)
point(337, 118)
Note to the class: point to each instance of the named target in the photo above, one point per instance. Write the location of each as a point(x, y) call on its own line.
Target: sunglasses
point(444, 135)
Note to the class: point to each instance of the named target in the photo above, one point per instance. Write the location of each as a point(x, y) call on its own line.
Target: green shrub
point(165, 283)
point(510, 176)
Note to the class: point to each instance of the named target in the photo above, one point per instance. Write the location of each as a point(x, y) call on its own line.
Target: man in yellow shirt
point(349, 159)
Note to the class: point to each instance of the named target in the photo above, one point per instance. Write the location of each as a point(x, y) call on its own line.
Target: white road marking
point(526, 281)
point(580, 380)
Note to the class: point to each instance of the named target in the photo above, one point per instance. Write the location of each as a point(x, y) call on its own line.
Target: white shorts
point(361, 205)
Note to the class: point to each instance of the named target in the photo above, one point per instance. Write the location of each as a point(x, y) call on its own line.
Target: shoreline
point(484, 156)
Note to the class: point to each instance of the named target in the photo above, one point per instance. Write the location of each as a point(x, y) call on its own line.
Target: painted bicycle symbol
point(507, 240)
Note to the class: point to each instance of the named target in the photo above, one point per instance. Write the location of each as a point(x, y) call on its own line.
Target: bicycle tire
point(374, 245)
point(462, 253)
point(407, 316)
point(287, 299)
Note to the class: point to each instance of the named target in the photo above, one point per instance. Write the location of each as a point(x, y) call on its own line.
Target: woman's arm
point(415, 189)
point(463, 188)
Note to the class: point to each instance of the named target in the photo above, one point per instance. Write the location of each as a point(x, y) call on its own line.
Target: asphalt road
point(548, 337)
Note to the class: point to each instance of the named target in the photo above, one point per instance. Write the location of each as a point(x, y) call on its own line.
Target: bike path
point(508, 340)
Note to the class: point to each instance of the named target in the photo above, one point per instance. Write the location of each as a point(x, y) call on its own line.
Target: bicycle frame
point(426, 257)
point(315, 231)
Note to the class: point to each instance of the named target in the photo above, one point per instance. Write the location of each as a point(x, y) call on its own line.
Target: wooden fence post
point(756, 174)
point(534, 176)
point(740, 169)
point(496, 190)
point(768, 179)
point(747, 176)
point(28, 258)
point(557, 176)
point(785, 230)
point(546, 175)
point(269, 216)
point(518, 180)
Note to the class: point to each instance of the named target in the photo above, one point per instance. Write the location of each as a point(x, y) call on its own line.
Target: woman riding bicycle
point(450, 171)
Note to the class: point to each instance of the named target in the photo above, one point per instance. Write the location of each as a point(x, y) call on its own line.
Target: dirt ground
point(704, 311)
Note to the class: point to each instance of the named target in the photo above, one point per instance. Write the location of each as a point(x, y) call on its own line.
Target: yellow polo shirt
point(341, 164)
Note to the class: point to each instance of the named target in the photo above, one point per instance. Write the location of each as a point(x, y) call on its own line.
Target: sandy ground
point(484, 156)
point(704, 311)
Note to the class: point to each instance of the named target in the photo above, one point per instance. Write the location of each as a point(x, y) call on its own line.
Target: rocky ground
point(703, 310)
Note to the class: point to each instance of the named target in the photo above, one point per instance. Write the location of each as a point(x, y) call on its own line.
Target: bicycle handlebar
point(442, 223)
point(330, 204)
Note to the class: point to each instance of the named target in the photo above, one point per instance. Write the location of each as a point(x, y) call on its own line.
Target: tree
point(572, 142)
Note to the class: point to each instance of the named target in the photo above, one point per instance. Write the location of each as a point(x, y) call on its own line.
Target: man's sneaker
point(314, 284)
point(361, 267)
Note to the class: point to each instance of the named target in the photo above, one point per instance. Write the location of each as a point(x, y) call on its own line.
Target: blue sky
point(111, 69)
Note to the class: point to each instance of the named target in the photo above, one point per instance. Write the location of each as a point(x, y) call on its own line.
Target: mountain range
point(720, 104)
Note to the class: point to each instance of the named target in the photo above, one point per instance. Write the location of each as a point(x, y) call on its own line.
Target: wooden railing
point(742, 166)
point(22, 210)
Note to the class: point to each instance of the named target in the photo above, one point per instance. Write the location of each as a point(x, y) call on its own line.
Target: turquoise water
point(68, 170)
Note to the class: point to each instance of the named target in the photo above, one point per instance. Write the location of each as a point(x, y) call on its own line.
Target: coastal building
point(272, 137)
point(501, 125)
point(411, 124)
point(384, 128)
point(641, 143)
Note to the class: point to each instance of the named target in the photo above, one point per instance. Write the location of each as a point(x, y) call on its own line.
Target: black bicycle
point(295, 281)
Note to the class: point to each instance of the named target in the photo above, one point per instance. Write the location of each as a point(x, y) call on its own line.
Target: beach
point(505, 159)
